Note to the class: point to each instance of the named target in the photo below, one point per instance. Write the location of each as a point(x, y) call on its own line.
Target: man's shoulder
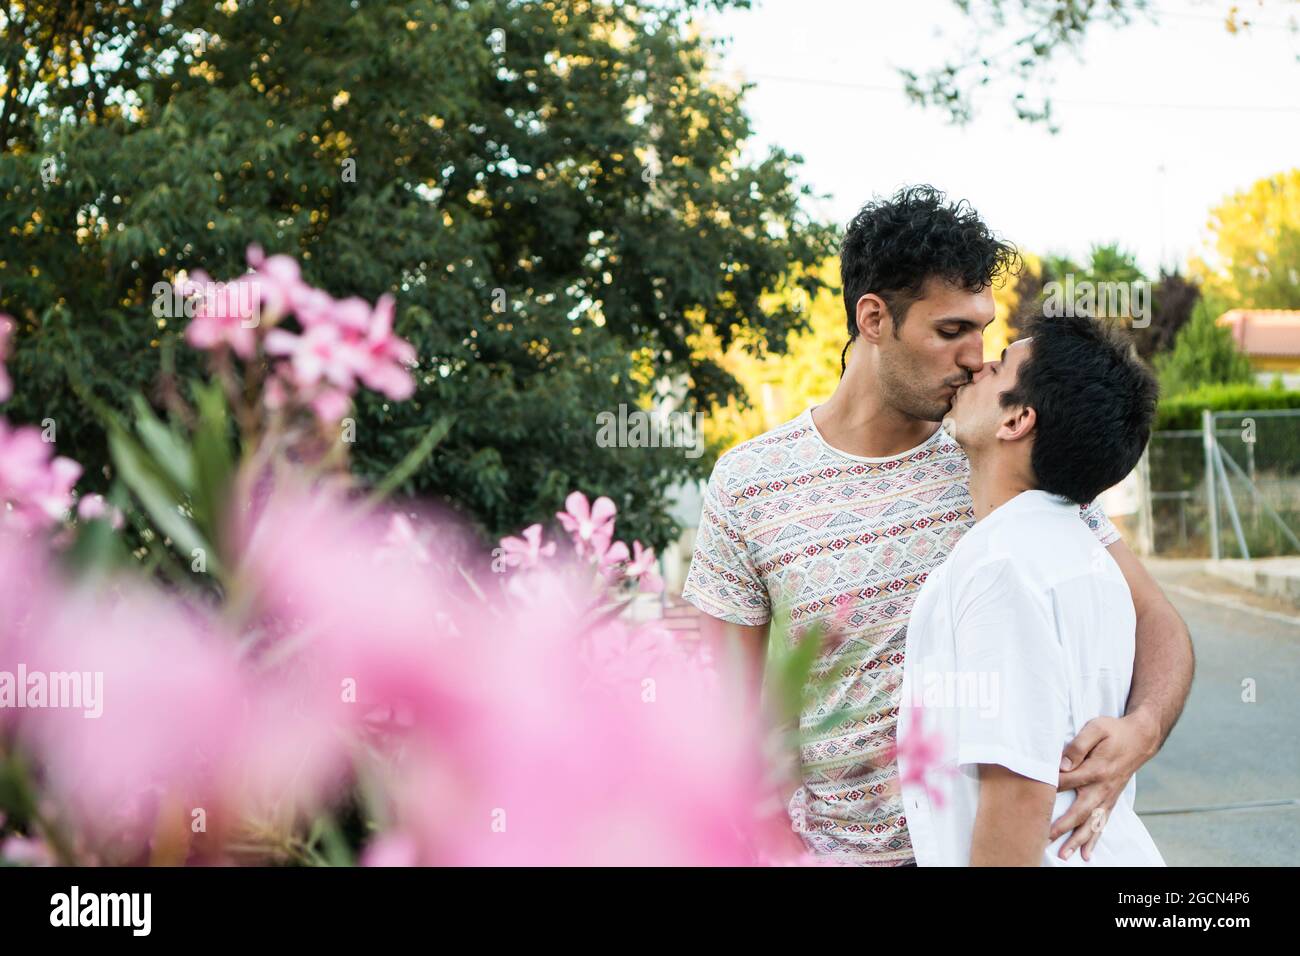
point(1032, 551)
point(774, 453)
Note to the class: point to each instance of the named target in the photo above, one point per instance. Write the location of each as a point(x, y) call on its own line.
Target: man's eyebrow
point(1004, 356)
point(958, 320)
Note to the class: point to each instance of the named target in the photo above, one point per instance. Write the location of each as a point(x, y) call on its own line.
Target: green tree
point(1203, 354)
point(1254, 260)
point(554, 191)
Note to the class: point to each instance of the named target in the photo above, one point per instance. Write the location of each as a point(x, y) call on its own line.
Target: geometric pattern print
point(790, 522)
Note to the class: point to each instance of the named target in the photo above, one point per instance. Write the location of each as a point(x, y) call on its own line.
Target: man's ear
point(872, 316)
point(1017, 423)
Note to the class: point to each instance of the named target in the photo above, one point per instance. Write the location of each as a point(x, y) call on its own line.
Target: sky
point(1159, 122)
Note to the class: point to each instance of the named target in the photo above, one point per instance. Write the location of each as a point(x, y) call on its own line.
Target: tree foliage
point(1254, 259)
point(555, 192)
point(1203, 354)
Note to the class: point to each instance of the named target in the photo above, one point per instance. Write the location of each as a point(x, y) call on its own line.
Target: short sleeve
point(1095, 518)
point(723, 581)
point(1007, 647)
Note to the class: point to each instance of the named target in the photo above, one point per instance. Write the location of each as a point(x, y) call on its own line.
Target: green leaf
point(213, 460)
point(168, 448)
point(150, 487)
point(414, 458)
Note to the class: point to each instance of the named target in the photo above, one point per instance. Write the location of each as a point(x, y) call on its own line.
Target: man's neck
point(993, 483)
point(856, 421)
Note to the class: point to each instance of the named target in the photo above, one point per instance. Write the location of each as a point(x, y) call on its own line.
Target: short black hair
point(894, 245)
point(1094, 402)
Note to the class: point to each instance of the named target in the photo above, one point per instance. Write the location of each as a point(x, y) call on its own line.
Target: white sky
point(1158, 122)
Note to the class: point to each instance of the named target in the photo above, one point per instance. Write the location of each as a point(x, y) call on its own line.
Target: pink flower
point(279, 283)
point(6, 329)
point(383, 357)
point(35, 486)
point(920, 756)
point(91, 507)
point(27, 851)
point(643, 568)
point(401, 540)
point(590, 525)
point(391, 849)
point(330, 405)
point(319, 354)
point(611, 560)
point(227, 315)
point(527, 551)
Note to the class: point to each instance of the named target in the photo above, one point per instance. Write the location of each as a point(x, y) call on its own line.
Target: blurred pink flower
point(228, 314)
point(279, 283)
point(527, 551)
point(383, 357)
point(331, 405)
point(319, 354)
point(91, 507)
point(590, 525)
point(643, 568)
point(920, 756)
point(26, 851)
point(402, 541)
point(6, 329)
point(35, 485)
point(392, 849)
point(168, 727)
point(611, 559)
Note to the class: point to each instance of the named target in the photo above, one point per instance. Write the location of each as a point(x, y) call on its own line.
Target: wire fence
point(1230, 489)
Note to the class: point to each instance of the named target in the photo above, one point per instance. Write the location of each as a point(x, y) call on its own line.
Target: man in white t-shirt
point(1026, 632)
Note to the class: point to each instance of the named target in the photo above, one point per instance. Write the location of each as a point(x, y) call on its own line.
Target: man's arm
point(1012, 820)
point(1100, 762)
point(1163, 661)
point(744, 643)
point(746, 646)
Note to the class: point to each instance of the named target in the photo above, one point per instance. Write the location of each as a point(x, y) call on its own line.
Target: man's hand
point(1098, 764)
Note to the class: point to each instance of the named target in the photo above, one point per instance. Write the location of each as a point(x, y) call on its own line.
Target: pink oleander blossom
point(35, 484)
point(526, 552)
point(590, 525)
point(6, 330)
point(93, 507)
point(920, 755)
point(227, 314)
point(643, 569)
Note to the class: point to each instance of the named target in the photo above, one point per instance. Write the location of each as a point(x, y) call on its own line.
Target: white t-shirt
point(1020, 638)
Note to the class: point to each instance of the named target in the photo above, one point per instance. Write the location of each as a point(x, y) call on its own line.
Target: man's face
point(939, 347)
point(977, 410)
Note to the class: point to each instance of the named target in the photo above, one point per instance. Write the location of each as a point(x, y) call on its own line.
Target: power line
point(1115, 104)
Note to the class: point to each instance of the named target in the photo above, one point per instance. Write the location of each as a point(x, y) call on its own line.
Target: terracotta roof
point(1264, 331)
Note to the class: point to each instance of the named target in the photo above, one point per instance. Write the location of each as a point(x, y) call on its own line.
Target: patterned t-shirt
point(790, 522)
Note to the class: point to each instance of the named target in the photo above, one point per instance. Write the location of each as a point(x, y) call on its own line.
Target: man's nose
point(971, 358)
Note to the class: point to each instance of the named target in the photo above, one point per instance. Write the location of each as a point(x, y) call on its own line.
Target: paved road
point(1225, 751)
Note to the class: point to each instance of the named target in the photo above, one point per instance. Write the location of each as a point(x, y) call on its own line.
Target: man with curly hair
point(837, 517)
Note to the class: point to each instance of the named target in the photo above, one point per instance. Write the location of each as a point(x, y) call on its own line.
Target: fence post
point(1146, 525)
point(1211, 498)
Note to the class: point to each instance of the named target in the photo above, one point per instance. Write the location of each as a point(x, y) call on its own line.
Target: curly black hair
point(1094, 402)
point(894, 245)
